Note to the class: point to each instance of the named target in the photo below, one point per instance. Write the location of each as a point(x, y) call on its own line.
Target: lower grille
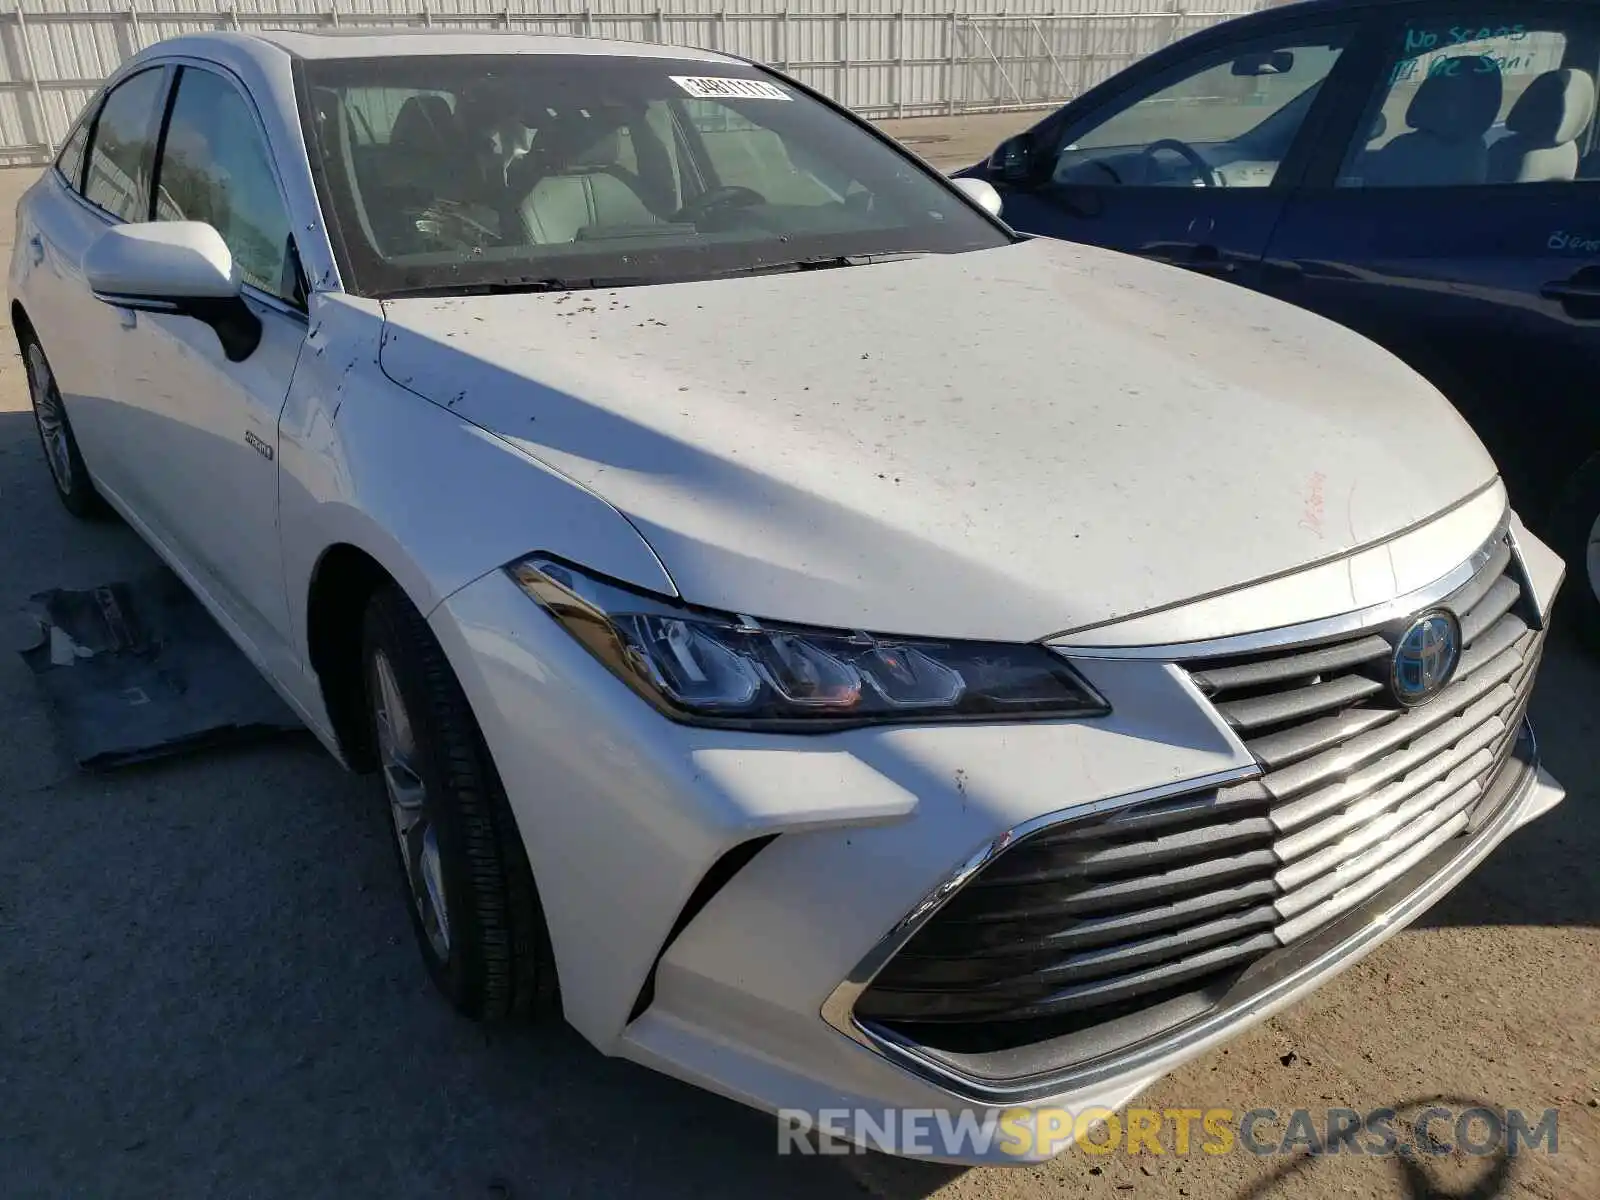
point(1160, 905)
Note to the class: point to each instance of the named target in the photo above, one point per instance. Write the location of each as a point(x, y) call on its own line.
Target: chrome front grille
point(1164, 904)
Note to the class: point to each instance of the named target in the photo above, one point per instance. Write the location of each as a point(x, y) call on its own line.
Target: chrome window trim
point(837, 1010)
point(1311, 632)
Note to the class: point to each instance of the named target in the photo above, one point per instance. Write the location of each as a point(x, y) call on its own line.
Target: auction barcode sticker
point(710, 87)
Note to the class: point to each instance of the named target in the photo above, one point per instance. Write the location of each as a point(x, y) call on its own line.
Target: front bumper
point(739, 973)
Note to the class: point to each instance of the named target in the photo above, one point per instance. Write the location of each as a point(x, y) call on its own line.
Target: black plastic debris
point(138, 671)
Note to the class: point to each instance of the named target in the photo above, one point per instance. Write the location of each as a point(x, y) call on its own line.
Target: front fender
point(437, 501)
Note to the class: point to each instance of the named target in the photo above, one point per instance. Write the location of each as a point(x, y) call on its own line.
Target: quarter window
point(1485, 97)
point(123, 150)
point(215, 167)
point(70, 161)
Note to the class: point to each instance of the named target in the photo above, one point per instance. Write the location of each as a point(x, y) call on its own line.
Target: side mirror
point(180, 267)
point(1012, 160)
point(1274, 62)
point(981, 192)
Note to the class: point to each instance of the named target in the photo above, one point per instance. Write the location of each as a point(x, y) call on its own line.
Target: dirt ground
point(209, 987)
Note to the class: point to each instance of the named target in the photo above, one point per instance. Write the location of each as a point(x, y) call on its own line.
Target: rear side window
point(122, 153)
point(1493, 94)
point(70, 161)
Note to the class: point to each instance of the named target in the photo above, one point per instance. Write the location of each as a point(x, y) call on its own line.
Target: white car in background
point(867, 658)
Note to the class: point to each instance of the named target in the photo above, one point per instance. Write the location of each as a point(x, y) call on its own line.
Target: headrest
point(1555, 109)
point(1459, 99)
point(577, 139)
point(424, 122)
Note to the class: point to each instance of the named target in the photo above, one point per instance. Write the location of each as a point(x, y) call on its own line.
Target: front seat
point(428, 150)
point(1544, 129)
point(1449, 115)
point(588, 189)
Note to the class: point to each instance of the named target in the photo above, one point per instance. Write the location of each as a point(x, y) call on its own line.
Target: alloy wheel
point(408, 806)
point(51, 414)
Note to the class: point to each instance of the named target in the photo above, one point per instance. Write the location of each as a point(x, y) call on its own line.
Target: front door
point(1188, 163)
point(207, 440)
point(1456, 220)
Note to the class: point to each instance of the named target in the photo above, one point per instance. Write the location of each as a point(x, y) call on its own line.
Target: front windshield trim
point(953, 222)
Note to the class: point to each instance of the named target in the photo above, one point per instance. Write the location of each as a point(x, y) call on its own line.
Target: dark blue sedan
point(1426, 173)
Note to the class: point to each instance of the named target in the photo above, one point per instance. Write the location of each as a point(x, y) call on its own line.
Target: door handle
point(1569, 290)
point(36, 245)
point(1578, 296)
point(130, 318)
point(1202, 260)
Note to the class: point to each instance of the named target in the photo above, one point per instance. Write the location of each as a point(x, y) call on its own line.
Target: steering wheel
point(1202, 168)
point(718, 199)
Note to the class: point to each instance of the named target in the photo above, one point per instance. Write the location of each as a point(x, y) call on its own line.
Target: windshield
point(454, 172)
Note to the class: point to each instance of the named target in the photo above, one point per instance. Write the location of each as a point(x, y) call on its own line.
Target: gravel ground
point(210, 989)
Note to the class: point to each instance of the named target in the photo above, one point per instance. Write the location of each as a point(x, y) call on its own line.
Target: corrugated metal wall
point(881, 57)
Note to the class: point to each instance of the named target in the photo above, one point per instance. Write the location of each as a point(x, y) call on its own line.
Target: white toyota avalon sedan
point(842, 653)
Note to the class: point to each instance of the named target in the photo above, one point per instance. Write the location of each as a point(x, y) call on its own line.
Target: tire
point(61, 454)
point(1576, 526)
point(455, 838)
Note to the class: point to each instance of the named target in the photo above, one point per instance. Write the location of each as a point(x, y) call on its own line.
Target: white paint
point(982, 193)
point(169, 260)
point(1007, 444)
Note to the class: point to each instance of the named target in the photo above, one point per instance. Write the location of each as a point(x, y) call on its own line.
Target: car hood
point(1012, 443)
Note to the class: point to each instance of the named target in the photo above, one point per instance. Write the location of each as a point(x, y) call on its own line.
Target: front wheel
point(1577, 530)
point(465, 875)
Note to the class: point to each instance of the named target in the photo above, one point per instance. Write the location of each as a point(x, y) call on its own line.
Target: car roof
point(391, 42)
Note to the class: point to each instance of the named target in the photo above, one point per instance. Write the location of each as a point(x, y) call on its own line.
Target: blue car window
point(1232, 115)
point(1477, 100)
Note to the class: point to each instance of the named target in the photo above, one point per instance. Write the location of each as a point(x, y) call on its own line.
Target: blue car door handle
point(1571, 290)
point(1579, 296)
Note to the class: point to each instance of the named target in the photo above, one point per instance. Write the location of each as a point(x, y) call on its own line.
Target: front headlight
point(710, 668)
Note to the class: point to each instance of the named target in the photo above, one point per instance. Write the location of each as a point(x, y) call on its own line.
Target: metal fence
point(885, 58)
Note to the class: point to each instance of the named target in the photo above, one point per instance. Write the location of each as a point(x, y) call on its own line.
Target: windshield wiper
point(509, 287)
point(512, 287)
point(824, 262)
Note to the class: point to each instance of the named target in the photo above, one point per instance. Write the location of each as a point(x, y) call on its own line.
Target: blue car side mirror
point(1012, 160)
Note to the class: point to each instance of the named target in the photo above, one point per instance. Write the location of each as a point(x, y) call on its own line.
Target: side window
point(70, 161)
point(123, 148)
point(1228, 119)
point(1481, 98)
point(215, 167)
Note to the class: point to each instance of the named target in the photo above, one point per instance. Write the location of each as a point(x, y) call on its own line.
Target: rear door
point(1455, 218)
point(102, 177)
point(1190, 160)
